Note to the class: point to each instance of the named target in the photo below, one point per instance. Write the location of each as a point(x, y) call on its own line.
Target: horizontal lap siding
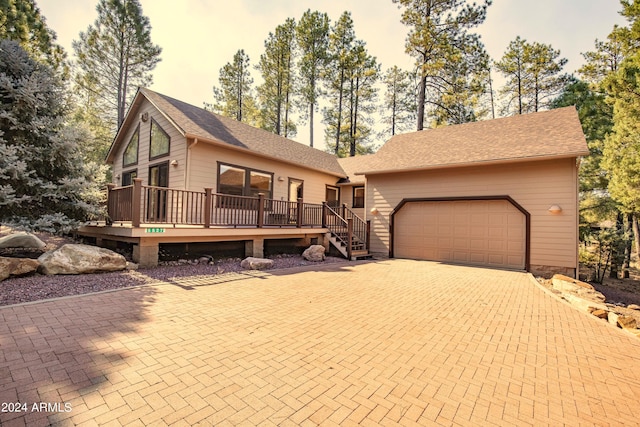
point(203, 170)
point(534, 185)
point(177, 149)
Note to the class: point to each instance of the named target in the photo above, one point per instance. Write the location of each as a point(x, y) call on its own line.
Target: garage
point(488, 231)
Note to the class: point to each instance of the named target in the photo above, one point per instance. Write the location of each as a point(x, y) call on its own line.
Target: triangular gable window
point(131, 152)
point(159, 141)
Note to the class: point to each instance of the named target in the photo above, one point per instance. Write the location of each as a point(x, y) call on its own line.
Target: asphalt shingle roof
point(197, 122)
point(547, 134)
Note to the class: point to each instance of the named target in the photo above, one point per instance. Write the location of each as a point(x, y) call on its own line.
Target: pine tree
point(399, 103)
point(534, 78)
point(312, 35)
point(341, 43)
point(115, 54)
point(43, 183)
point(234, 98)
point(277, 68)
point(20, 20)
point(438, 36)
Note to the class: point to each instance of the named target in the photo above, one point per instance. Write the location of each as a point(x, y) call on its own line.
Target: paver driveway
point(380, 343)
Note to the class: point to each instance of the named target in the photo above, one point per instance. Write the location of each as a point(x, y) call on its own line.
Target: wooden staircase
point(349, 234)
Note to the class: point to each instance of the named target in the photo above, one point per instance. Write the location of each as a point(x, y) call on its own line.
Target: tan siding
point(535, 185)
point(177, 149)
point(203, 170)
point(346, 197)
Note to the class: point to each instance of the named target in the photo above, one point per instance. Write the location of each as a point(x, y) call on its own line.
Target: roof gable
point(195, 122)
point(547, 134)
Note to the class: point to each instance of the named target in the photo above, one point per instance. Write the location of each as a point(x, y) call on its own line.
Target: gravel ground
point(38, 287)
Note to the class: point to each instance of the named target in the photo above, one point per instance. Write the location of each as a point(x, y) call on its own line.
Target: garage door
point(479, 232)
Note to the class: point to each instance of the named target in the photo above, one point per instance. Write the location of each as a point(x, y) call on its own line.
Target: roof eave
point(478, 163)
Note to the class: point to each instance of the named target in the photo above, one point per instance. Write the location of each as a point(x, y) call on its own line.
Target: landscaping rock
point(600, 313)
point(21, 240)
point(626, 322)
point(583, 290)
point(80, 259)
point(633, 306)
point(613, 318)
point(17, 267)
point(314, 253)
point(252, 263)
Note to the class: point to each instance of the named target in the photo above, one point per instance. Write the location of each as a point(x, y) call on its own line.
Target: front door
point(332, 196)
point(157, 197)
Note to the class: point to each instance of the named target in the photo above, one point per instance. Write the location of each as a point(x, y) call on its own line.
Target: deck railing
point(142, 204)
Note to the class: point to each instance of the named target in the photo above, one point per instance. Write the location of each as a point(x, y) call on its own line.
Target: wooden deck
point(147, 216)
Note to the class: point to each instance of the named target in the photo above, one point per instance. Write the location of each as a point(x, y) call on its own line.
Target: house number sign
point(155, 230)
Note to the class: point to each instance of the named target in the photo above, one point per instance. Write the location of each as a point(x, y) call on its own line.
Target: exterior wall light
point(555, 209)
point(374, 211)
point(174, 163)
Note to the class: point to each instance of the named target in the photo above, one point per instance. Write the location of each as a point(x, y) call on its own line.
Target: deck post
point(260, 210)
point(349, 237)
point(324, 214)
point(135, 203)
point(110, 208)
point(207, 207)
point(368, 245)
point(344, 210)
point(299, 213)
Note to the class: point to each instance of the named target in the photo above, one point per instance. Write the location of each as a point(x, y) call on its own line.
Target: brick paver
point(391, 342)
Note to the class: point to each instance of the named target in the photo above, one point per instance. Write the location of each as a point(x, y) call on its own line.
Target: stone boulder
point(252, 263)
point(314, 253)
point(81, 259)
point(17, 267)
point(21, 240)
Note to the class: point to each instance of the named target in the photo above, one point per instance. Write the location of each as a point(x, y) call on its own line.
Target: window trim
point(353, 196)
point(152, 123)
point(136, 132)
point(246, 189)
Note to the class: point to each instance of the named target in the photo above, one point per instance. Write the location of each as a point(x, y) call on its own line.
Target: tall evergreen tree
point(362, 91)
point(466, 74)
point(277, 68)
point(438, 36)
point(534, 76)
point(115, 54)
point(312, 35)
point(399, 103)
point(234, 97)
point(20, 20)
point(43, 184)
point(341, 44)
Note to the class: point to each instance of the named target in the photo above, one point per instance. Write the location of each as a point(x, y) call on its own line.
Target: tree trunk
point(628, 245)
point(636, 232)
point(339, 120)
point(310, 125)
point(422, 92)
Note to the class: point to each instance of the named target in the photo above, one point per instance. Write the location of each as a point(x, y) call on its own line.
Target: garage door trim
point(526, 214)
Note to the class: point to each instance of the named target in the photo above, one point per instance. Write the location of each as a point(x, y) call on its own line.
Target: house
point(501, 193)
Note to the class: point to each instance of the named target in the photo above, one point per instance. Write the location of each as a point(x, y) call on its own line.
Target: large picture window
point(159, 142)
point(130, 156)
point(240, 181)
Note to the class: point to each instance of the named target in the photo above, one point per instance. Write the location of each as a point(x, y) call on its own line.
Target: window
point(159, 144)
point(295, 189)
point(358, 197)
point(332, 196)
point(128, 177)
point(130, 156)
point(239, 181)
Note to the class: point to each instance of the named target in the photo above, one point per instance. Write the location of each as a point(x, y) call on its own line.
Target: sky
point(198, 37)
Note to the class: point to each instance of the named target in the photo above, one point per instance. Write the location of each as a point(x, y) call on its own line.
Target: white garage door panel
point(485, 232)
